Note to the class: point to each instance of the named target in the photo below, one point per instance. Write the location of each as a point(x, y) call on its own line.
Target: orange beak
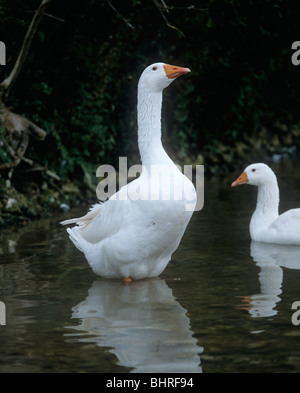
point(173, 72)
point(240, 180)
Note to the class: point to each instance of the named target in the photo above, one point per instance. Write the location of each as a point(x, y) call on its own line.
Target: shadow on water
point(223, 304)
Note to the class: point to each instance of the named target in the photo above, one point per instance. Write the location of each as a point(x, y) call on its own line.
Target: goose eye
point(253, 170)
point(154, 68)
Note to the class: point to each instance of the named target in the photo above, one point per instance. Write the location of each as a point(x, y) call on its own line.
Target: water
point(223, 304)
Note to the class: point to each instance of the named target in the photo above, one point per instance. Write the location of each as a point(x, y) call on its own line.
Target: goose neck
point(268, 199)
point(149, 127)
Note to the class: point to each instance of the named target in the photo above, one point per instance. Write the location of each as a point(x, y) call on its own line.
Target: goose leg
point(126, 280)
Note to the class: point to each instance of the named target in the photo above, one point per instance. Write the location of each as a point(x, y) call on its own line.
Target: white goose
point(134, 233)
point(266, 224)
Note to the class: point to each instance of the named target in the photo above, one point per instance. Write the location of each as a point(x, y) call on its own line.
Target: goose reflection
point(270, 258)
point(142, 323)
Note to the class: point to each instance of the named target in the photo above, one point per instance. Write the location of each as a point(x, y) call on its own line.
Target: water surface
point(223, 304)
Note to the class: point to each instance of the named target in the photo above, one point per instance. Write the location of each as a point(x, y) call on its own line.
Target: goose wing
point(103, 219)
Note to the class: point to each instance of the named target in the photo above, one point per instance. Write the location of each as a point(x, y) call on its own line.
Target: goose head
point(158, 76)
point(257, 175)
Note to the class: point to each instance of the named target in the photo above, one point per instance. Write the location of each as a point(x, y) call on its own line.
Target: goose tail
point(76, 238)
point(85, 220)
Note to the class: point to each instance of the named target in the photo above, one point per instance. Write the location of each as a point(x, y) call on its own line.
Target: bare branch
point(161, 9)
point(54, 17)
point(167, 8)
point(164, 5)
point(121, 16)
point(50, 16)
point(8, 82)
point(18, 129)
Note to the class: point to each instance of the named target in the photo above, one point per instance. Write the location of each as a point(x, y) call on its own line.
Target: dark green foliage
point(79, 80)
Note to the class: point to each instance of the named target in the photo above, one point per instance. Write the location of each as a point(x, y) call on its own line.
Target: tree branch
point(17, 127)
point(167, 8)
point(50, 16)
point(118, 13)
point(163, 7)
point(8, 82)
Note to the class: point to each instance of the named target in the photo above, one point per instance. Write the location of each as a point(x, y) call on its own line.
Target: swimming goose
point(266, 224)
point(134, 233)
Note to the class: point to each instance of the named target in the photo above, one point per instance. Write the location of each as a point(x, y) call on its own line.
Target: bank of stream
point(27, 194)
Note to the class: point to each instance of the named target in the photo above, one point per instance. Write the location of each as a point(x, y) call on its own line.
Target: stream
point(223, 304)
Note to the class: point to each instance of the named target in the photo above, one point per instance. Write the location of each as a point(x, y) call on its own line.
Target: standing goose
point(135, 232)
point(266, 224)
